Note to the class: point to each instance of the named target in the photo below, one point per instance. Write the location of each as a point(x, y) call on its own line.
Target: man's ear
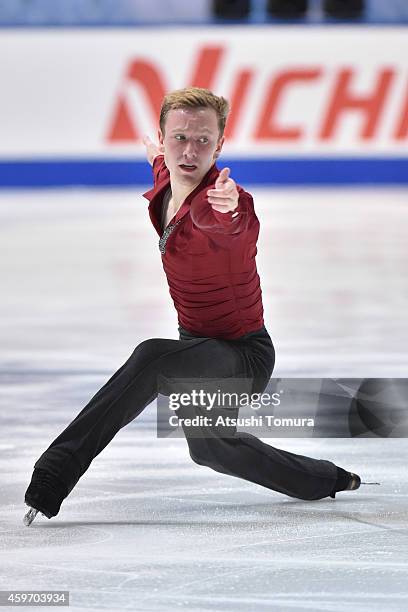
point(161, 140)
point(219, 147)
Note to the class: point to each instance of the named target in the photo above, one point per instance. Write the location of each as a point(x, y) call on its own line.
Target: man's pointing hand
point(224, 196)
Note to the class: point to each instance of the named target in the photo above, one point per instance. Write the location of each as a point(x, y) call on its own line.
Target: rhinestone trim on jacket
point(165, 236)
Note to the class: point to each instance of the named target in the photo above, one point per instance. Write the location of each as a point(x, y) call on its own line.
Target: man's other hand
point(152, 150)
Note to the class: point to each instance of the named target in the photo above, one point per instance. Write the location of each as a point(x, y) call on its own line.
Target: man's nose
point(190, 149)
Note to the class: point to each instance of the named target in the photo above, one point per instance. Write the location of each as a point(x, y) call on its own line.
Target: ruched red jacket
point(209, 259)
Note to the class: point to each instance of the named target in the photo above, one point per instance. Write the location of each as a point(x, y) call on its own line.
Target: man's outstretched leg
point(118, 402)
point(240, 454)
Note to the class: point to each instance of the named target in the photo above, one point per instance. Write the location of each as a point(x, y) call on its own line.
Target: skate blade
point(30, 516)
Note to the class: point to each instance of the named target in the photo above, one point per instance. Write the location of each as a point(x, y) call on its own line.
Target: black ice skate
point(348, 481)
point(45, 494)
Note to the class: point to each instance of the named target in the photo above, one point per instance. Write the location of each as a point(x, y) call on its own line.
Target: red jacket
point(209, 259)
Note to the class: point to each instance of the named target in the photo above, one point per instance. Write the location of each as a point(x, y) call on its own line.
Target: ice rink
point(146, 529)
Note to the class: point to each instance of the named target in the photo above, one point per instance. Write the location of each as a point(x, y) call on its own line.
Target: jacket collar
point(155, 196)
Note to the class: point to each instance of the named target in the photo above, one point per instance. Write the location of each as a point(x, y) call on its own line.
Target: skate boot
point(348, 481)
point(45, 494)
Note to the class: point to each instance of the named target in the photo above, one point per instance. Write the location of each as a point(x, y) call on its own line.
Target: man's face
point(191, 143)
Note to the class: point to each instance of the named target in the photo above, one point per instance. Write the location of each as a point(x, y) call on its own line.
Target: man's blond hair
point(195, 97)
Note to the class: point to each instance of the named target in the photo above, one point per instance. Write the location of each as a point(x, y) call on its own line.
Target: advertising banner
point(308, 104)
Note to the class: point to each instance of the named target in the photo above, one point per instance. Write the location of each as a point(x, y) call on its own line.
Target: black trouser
point(135, 385)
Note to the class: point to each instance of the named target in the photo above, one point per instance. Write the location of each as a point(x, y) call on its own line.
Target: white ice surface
point(145, 528)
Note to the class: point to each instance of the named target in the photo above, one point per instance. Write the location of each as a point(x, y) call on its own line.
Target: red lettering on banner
point(207, 65)
point(122, 127)
point(237, 100)
point(343, 100)
point(149, 80)
point(267, 127)
point(401, 131)
point(146, 76)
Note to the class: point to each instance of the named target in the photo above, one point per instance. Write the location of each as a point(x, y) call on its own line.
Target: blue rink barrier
point(31, 174)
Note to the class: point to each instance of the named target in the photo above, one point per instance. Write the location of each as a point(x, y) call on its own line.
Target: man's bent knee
point(207, 452)
point(199, 451)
